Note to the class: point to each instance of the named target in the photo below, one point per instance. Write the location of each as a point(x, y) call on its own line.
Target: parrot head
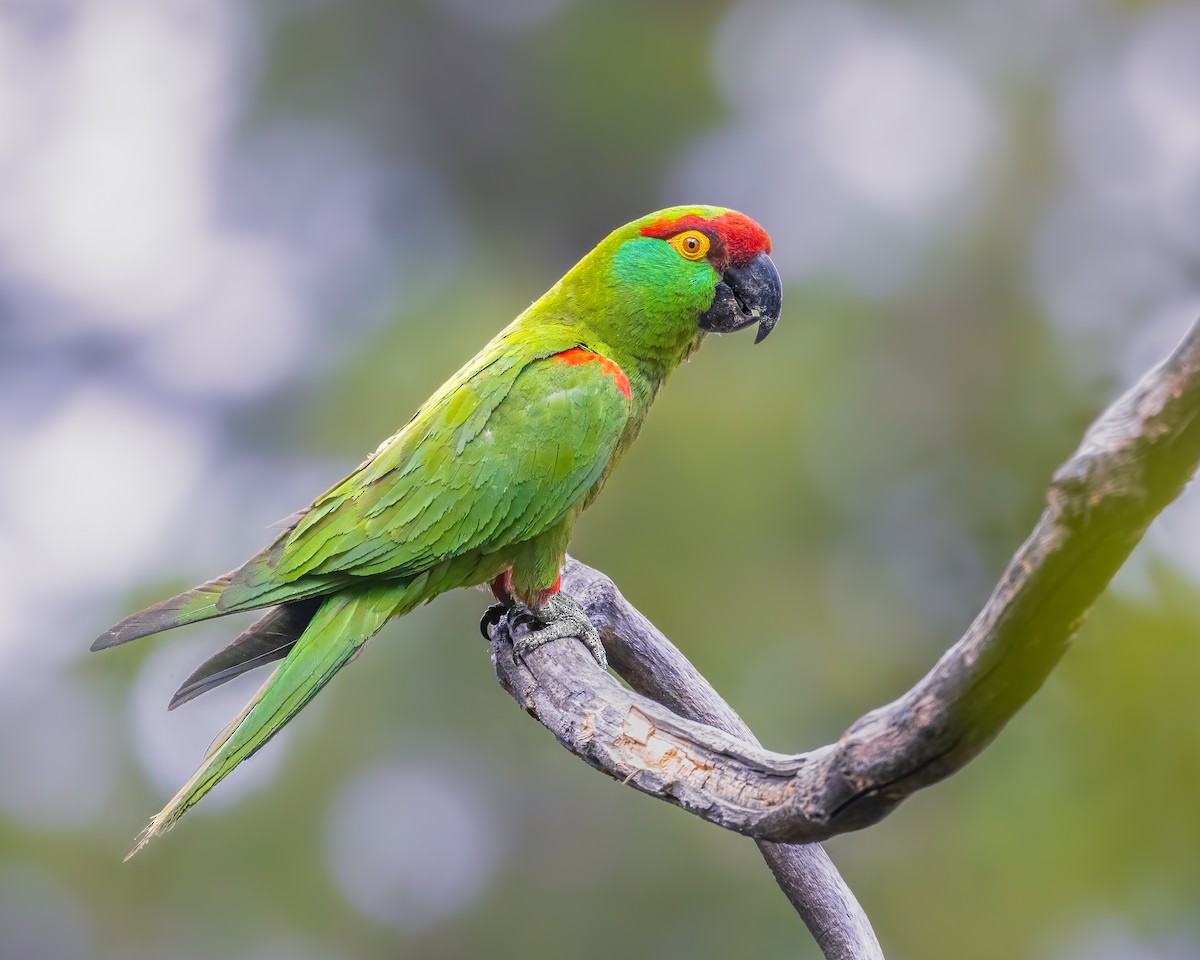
point(719, 252)
point(657, 285)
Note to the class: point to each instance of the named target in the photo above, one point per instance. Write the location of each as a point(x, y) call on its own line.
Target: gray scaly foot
point(560, 617)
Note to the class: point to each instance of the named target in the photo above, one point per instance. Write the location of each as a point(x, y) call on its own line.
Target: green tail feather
point(338, 630)
point(217, 598)
point(191, 606)
point(268, 639)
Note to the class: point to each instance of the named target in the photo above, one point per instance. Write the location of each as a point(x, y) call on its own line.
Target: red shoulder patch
point(577, 355)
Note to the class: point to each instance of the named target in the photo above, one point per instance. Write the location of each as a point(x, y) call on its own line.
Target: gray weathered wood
point(655, 668)
point(1133, 461)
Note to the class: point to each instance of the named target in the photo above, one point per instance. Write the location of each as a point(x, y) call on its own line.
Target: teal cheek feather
point(654, 272)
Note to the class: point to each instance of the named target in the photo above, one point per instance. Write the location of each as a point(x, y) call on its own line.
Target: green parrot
point(484, 484)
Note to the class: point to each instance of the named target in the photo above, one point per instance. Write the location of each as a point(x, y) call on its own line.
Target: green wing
point(505, 451)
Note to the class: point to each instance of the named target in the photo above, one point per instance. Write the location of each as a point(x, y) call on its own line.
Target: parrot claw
point(491, 618)
point(520, 615)
point(560, 617)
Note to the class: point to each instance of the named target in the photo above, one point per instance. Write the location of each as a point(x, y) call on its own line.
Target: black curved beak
point(748, 294)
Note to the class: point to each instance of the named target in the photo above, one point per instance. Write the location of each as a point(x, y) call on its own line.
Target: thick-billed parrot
point(484, 484)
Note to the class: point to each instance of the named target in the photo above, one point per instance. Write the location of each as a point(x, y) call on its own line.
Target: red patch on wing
point(577, 355)
point(741, 238)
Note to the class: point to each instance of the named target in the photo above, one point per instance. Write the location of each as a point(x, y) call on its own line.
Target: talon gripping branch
point(485, 482)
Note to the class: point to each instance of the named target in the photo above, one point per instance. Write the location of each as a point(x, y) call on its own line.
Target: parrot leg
point(501, 589)
point(560, 617)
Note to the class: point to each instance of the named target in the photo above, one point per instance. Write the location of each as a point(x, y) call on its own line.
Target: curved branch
point(664, 679)
point(655, 668)
point(1133, 461)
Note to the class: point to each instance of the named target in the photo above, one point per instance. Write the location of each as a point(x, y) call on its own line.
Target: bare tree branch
point(655, 668)
point(1133, 461)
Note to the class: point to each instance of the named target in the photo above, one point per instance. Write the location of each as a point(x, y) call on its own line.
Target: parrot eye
point(691, 244)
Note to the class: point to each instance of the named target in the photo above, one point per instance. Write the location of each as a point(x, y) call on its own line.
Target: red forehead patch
point(742, 238)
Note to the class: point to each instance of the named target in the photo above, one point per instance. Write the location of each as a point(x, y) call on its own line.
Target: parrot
point(483, 486)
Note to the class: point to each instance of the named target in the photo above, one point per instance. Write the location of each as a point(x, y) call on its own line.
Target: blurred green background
point(241, 241)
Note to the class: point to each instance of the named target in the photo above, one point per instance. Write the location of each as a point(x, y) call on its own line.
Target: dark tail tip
point(190, 606)
point(269, 638)
point(107, 639)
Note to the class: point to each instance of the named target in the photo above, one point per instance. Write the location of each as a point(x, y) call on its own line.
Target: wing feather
point(493, 463)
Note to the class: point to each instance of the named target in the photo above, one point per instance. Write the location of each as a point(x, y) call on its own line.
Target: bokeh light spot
point(410, 847)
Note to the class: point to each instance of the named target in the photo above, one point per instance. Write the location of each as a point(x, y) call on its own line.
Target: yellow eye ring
point(691, 244)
